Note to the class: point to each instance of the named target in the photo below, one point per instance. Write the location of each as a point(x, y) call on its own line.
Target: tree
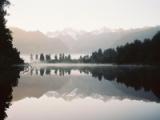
point(110, 55)
point(48, 57)
point(42, 57)
point(146, 52)
point(8, 54)
point(61, 57)
point(9, 80)
point(68, 58)
point(137, 52)
point(97, 57)
point(56, 58)
point(36, 56)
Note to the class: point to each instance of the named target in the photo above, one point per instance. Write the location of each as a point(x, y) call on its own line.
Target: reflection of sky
point(88, 108)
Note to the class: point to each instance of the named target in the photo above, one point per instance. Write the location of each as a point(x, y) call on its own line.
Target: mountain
point(129, 36)
point(74, 41)
point(36, 42)
point(82, 41)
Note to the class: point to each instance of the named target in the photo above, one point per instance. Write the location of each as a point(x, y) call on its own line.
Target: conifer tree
point(8, 54)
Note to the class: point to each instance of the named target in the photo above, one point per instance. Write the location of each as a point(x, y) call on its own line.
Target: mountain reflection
point(8, 80)
point(104, 83)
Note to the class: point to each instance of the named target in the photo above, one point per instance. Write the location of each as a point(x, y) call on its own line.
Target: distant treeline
point(138, 52)
point(61, 58)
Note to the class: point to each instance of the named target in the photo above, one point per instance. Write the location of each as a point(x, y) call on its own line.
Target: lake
point(80, 92)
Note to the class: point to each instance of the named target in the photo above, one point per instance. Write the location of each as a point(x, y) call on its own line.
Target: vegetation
point(62, 59)
point(140, 52)
point(42, 57)
point(8, 54)
point(8, 80)
point(146, 52)
point(48, 57)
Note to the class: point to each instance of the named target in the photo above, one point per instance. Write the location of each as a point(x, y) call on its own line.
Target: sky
point(52, 15)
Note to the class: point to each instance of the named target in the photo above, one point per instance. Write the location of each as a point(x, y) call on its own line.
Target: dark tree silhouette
point(146, 52)
point(8, 54)
point(42, 57)
point(56, 58)
point(110, 56)
point(8, 80)
point(48, 57)
point(68, 58)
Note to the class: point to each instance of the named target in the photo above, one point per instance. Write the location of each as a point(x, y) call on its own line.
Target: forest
point(138, 52)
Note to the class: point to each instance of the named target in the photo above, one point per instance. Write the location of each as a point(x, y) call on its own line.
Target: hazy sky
point(51, 15)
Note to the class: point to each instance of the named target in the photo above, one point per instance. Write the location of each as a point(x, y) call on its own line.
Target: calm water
point(44, 92)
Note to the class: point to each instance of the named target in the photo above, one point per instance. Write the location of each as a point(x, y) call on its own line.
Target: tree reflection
point(137, 78)
point(42, 72)
point(146, 78)
point(8, 80)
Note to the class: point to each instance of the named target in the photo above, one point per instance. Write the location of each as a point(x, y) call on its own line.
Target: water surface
point(44, 92)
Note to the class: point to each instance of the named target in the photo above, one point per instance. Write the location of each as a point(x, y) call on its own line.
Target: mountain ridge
point(77, 41)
